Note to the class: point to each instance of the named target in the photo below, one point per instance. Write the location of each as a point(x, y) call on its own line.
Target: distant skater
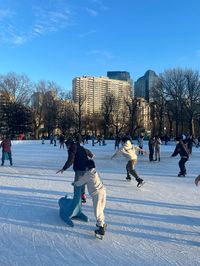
point(6, 150)
point(181, 149)
point(130, 153)
point(158, 142)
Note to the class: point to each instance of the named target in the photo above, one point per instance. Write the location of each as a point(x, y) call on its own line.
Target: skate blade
point(101, 237)
point(140, 185)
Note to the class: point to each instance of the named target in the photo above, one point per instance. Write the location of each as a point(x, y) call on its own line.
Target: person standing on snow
point(78, 156)
point(6, 150)
point(182, 150)
point(158, 142)
point(130, 153)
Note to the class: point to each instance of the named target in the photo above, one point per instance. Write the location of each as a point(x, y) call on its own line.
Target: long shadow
point(154, 203)
point(36, 213)
point(159, 238)
point(167, 218)
point(14, 175)
point(34, 191)
point(42, 213)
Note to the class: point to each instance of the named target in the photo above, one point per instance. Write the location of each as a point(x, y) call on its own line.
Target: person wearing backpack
point(77, 156)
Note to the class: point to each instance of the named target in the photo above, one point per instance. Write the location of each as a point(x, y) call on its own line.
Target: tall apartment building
point(92, 92)
point(144, 85)
point(121, 75)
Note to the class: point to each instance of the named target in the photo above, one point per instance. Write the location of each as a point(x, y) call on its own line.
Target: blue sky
point(61, 39)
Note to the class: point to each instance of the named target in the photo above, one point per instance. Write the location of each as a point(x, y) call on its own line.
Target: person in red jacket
point(6, 150)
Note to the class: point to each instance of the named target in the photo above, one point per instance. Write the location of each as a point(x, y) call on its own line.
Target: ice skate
point(100, 232)
point(140, 183)
point(83, 198)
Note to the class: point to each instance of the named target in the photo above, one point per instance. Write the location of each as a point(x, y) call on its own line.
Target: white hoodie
point(128, 150)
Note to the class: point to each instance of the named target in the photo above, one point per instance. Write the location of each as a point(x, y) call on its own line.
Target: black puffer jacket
point(77, 155)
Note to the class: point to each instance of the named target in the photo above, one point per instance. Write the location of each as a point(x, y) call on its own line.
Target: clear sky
point(61, 39)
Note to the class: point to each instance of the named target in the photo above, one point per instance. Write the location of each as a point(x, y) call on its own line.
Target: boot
point(83, 198)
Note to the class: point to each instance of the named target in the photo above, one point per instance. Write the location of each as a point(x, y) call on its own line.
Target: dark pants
point(130, 168)
point(4, 155)
point(181, 164)
point(151, 152)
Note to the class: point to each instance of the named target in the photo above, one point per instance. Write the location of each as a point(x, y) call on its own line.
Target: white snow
point(156, 225)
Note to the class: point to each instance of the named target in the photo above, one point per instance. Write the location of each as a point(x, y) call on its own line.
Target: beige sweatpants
point(99, 202)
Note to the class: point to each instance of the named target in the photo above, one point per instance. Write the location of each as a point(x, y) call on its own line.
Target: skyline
point(60, 40)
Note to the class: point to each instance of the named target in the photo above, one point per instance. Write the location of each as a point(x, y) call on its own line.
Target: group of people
point(85, 170)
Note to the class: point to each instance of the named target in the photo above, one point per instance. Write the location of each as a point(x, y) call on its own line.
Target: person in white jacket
point(97, 191)
point(130, 153)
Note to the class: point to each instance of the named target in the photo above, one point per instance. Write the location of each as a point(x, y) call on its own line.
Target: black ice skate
point(100, 232)
point(140, 183)
point(181, 175)
point(128, 178)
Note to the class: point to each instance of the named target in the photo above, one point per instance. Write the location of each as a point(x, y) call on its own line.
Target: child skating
point(130, 153)
point(97, 191)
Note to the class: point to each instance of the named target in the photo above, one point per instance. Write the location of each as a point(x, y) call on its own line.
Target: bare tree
point(17, 87)
point(134, 120)
point(192, 97)
point(108, 106)
point(173, 84)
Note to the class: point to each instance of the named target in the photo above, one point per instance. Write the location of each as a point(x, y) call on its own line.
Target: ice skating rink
point(156, 225)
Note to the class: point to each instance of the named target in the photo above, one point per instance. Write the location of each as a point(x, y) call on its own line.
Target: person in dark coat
point(181, 149)
point(77, 156)
point(151, 145)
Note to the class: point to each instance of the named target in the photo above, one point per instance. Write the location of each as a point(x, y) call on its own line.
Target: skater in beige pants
point(97, 191)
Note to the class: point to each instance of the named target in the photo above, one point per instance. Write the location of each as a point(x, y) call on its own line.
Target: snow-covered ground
point(156, 225)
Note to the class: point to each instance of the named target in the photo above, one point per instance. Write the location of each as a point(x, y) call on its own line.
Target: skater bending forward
point(97, 191)
point(130, 153)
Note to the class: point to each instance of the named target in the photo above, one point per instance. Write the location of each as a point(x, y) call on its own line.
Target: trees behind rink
point(176, 102)
point(45, 107)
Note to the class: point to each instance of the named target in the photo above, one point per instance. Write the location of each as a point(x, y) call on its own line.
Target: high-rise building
point(92, 91)
point(144, 85)
point(121, 75)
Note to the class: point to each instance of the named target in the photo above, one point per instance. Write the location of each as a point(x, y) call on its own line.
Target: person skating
point(130, 153)
point(97, 191)
point(197, 180)
point(78, 156)
point(6, 150)
point(181, 149)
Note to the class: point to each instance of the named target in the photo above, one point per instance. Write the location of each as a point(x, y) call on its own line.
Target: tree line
point(45, 108)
